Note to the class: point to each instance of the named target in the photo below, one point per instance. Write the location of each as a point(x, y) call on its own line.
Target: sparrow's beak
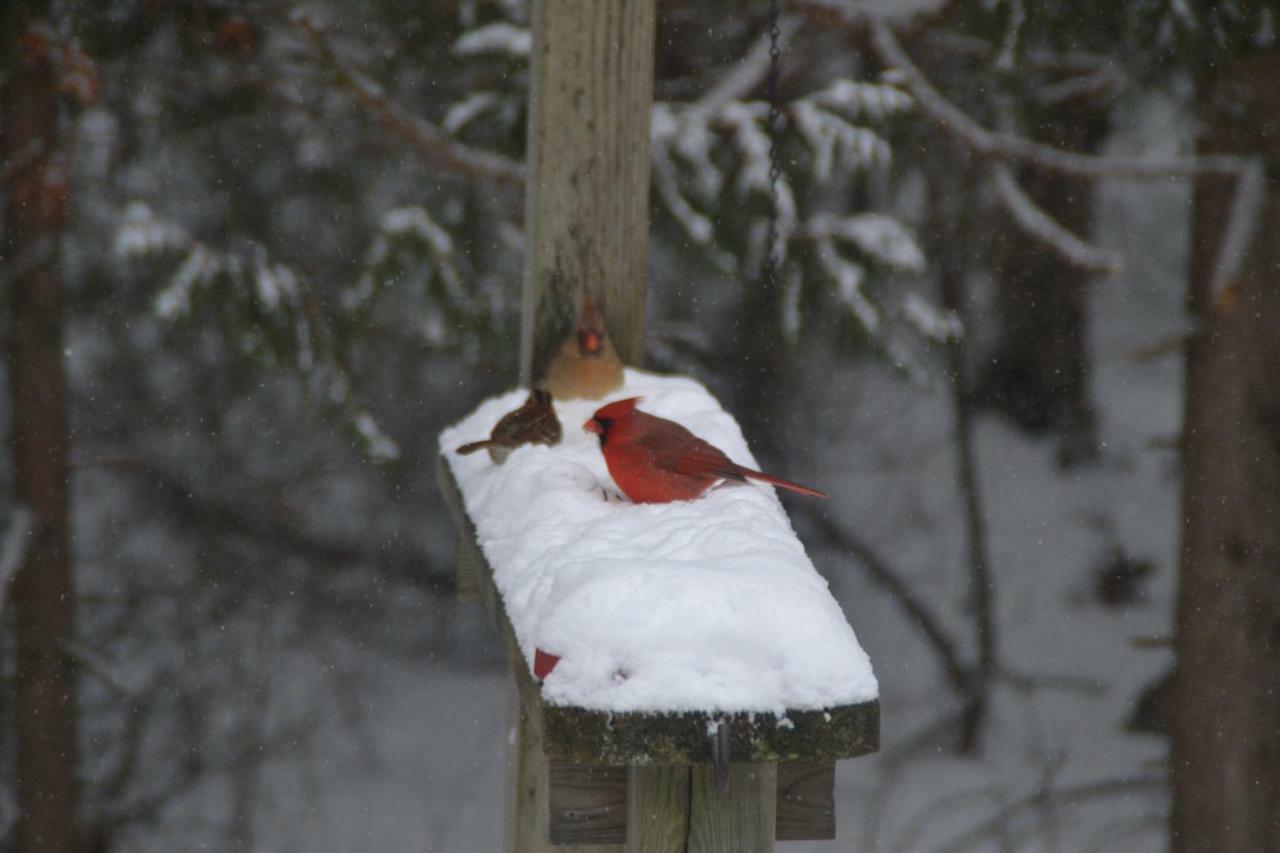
point(592, 425)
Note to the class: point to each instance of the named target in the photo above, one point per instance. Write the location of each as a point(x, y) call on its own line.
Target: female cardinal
point(535, 422)
point(586, 366)
point(654, 460)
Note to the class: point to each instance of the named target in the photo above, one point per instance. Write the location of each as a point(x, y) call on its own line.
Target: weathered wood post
point(587, 231)
point(608, 782)
point(587, 196)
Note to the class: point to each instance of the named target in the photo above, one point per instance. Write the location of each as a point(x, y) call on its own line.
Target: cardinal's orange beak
point(590, 342)
point(592, 425)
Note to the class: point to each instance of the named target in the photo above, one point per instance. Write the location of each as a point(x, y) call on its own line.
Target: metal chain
point(771, 258)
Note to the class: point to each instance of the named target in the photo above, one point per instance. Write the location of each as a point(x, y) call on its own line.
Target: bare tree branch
point(1247, 171)
point(950, 227)
point(1074, 795)
point(428, 139)
point(1038, 223)
point(943, 645)
point(28, 154)
point(993, 144)
point(98, 666)
point(1240, 227)
point(14, 550)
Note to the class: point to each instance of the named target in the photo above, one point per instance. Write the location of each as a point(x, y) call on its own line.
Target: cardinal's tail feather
point(474, 446)
point(778, 481)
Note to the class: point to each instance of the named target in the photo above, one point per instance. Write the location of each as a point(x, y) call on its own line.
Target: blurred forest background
point(256, 253)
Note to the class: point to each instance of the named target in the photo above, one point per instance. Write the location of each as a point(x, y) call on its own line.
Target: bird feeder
point(717, 729)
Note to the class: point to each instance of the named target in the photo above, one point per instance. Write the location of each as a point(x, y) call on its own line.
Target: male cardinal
point(535, 422)
point(586, 366)
point(654, 460)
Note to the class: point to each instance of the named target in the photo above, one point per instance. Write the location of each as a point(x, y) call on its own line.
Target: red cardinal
point(654, 460)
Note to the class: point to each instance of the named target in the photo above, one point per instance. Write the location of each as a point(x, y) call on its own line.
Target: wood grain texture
point(742, 819)
point(587, 196)
point(584, 736)
point(588, 804)
point(806, 801)
point(530, 795)
point(658, 809)
point(466, 574)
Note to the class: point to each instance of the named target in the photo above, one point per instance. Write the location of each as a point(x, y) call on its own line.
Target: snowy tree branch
point(990, 828)
point(428, 139)
point(748, 74)
point(1037, 222)
point(993, 144)
point(97, 665)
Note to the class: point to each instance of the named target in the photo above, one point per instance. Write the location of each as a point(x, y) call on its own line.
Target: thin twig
point(1038, 223)
point(1241, 223)
point(950, 227)
point(1027, 682)
point(993, 144)
point(428, 139)
point(893, 583)
point(1240, 227)
point(1073, 796)
point(98, 666)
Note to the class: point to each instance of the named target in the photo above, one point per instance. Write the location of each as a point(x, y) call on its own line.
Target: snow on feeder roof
point(703, 606)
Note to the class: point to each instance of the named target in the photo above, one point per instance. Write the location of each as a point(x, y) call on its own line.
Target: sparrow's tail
point(474, 446)
point(778, 481)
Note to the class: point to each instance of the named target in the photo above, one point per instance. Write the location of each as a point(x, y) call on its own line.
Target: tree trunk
point(45, 690)
point(1038, 375)
point(1225, 719)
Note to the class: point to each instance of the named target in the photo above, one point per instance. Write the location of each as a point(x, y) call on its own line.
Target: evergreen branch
point(1037, 222)
point(1007, 146)
point(429, 140)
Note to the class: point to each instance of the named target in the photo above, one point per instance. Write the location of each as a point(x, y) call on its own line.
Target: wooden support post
point(587, 196)
point(806, 800)
point(658, 809)
point(742, 819)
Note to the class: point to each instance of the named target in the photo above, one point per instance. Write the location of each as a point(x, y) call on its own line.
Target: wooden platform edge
point(592, 737)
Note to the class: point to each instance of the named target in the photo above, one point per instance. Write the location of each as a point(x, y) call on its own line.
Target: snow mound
point(706, 605)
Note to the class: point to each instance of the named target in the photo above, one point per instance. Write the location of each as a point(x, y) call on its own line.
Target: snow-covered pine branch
point(500, 38)
point(713, 154)
point(413, 253)
point(263, 308)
